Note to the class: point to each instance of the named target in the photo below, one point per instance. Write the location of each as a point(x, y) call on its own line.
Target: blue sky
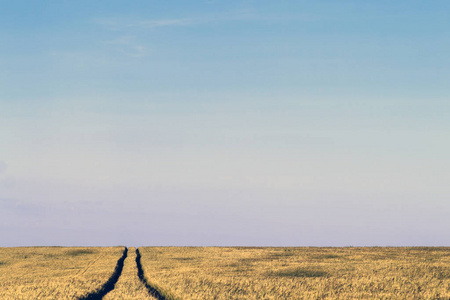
point(281, 123)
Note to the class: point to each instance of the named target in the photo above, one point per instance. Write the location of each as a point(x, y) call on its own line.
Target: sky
point(223, 123)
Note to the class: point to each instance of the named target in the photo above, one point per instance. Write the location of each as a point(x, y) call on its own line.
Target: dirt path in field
point(109, 285)
point(151, 290)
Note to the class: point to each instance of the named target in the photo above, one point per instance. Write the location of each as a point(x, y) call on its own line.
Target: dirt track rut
point(152, 291)
point(110, 284)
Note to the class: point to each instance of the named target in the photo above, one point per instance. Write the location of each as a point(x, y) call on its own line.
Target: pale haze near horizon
point(264, 123)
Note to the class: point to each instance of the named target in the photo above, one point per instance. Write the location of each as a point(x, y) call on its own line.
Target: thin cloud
point(165, 23)
point(123, 40)
point(117, 24)
point(244, 15)
point(135, 51)
point(127, 45)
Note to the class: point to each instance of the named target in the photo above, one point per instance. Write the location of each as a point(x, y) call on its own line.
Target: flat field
point(298, 273)
point(225, 273)
point(55, 272)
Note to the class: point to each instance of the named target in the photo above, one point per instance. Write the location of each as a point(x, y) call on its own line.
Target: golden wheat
point(55, 272)
point(298, 273)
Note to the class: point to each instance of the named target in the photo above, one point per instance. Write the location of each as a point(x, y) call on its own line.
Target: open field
point(225, 273)
point(55, 272)
point(298, 273)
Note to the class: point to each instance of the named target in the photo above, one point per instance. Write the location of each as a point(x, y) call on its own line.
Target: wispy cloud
point(243, 15)
point(131, 43)
point(117, 24)
point(128, 45)
point(122, 40)
point(136, 51)
point(166, 23)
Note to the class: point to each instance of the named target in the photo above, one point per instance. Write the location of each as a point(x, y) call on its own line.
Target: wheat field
point(298, 273)
point(55, 272)
point(227, 273)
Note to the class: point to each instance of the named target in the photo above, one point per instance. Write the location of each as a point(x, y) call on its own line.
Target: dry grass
point(55, 272)
point(298, 273)
point(129, 286)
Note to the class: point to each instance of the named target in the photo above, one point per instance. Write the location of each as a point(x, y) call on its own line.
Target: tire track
point(90, 264)
point(151, 290)
point(109, 285)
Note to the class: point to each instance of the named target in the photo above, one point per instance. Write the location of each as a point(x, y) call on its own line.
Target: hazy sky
point(282, 123)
